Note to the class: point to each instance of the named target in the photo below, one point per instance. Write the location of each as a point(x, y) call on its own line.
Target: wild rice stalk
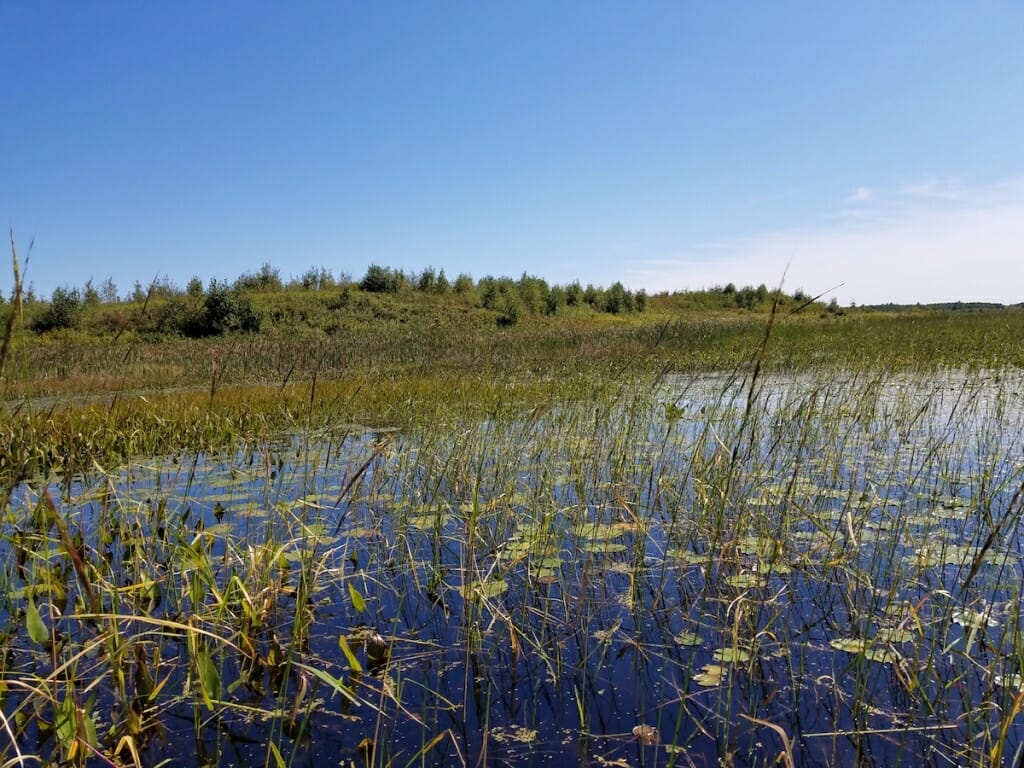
point(16, 308)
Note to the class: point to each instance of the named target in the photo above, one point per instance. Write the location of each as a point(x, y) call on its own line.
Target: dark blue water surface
point(673, 579)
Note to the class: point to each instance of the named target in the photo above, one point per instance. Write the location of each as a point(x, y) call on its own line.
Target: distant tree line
point(510, 297)
point(221, 307)
point(749, 298)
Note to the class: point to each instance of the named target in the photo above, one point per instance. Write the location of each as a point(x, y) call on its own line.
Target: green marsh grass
point(824, 564)
point(605, 545)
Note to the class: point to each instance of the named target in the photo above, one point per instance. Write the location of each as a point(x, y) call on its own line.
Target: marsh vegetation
point(657, 541)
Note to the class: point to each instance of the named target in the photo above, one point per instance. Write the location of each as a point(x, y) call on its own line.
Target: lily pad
point(484, 589)
point(734, 655)
point(711, 675)
point(429, 521)
point(688, 639)
point(895, 635)
point(849, 644)
point(747, 580)
point(544, 575)
point(606, 547)
point(883, 655)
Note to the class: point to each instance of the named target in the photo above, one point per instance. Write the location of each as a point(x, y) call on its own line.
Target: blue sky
point(668, 145)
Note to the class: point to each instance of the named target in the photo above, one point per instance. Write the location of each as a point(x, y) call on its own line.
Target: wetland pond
point(825, 571)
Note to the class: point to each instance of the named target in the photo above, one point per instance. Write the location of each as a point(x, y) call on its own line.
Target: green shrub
point(380, 279)
point(617, 299)
point(65, 311)
point(224, 309)
point(267, 279)
point(463, 284)
point(511, 311)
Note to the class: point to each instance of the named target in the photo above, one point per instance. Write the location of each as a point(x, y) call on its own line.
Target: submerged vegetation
point(683, 536)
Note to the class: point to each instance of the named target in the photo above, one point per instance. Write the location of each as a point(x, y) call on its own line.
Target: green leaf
point(37, 630)
point(732, 655)
point(353, 662)
point(336, 685)
point(688, 639)
point(209, 677)
point(278, 758)
point(357, 599)
point(64, 723)
point(849, 644)
point(710, 675)
point(484, 589)
point(91, 737)
point(746, 580)
point(882, 655)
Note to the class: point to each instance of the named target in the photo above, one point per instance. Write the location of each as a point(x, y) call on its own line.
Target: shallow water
point(834, 572)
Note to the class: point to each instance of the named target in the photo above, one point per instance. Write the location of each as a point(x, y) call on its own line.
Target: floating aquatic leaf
point(516, 549)
point(605, 547)
point(360, 532)
point(959, 554)
point(545, 576)
point(895, 635)
point(484, 589)
point(756, 545)
point(312, 530)
point(688, 639)
point(849, 644)
point(219, 529)
point(688, 557)
point(596, 532)
point(430, 521)
point(747, 580)
point(732, 655)
point(250, 512)
point(711, 675)
point(882, 654)
point(299, 555)
point(552, 562)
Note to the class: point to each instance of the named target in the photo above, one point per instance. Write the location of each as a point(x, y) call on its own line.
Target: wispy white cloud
point(930, 241)
point(935, 189)
point(860, 195)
